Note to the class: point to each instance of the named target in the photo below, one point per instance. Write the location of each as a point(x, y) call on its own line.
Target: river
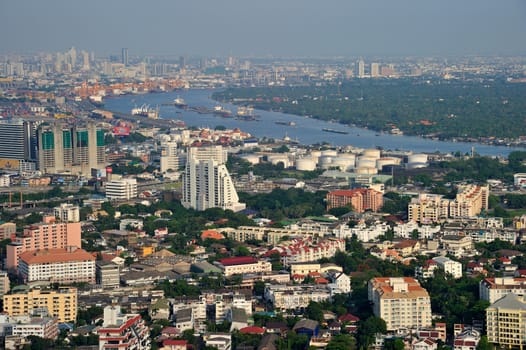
point(306, 131)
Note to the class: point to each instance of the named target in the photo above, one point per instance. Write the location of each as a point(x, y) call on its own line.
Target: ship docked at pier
point(146, 111)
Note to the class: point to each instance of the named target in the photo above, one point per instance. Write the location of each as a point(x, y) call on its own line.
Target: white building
point(5, 181)
point(122, 189)
point(59, 265)
point(451, 267)
point(519, 179)
point(243, 265)
point(67, 212)
point(220, 341)
point(340, 283)
point(123, 331)
point(26, 325)
point(494, 288)
point(424, 231)
point(288, 297)
point(362, 231)
point(170, 157)
point(206, 181)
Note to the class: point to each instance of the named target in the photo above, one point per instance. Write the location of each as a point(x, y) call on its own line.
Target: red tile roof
point(252, 330)
point(239, 260)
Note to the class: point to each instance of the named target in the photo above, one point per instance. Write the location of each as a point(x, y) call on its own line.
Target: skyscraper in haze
point(361, 69)
point(124, 58)
point(375, 70)
point(206, 181)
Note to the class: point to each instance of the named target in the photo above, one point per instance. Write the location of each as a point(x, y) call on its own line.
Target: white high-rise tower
point(206, 181)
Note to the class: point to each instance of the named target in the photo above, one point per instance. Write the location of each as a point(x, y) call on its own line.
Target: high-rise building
point(61, 303)
point(18, 144)
point(400, 301)
point(124, 56)
point(123, 331)
point(182, 62)
point(361, 69)
point(206, 181)
point(170, 159)
point(47, 234)
point(71, 149)
point(375, 70)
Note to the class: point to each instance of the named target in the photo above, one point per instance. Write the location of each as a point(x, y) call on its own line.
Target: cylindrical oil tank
point(372, 153)
point(251, 158)
point(305, 164)
point(417, 158)
point(276, 159)
point(366, 170)
point(365, 162)
point(381, 162)
point(325, 162)
point(329, 152)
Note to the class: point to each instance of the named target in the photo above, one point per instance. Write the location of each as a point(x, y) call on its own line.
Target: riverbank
point(306, 131)
point(486, 113)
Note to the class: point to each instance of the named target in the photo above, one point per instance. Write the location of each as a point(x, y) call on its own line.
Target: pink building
point(48, 234)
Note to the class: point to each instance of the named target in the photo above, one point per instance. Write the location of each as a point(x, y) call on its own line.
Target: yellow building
point(61, 303)
point(401, 302)
point(144, 251)
point(506, 321)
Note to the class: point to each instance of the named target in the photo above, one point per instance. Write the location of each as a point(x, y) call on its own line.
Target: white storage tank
point(276, 159)
point(325, 162)
point(416, 165)
point(315, 153)
point(251, 158)
point(372, 153)
point(305, 164)
point(381, 162)
point(329, 152)
point(417, 158)
point(366, 162)
point(366, 170)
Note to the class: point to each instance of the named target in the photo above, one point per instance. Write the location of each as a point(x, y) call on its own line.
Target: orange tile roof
point(55, 256)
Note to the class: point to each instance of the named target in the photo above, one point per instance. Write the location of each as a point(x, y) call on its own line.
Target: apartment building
point(61, 303)
point(400, 301)
point(469, 202)
point(121, 189)
point(67, 212)
point(206, 181)
point(505, 320)
point(242, 265)
point(428, 208)
point(495, 288)
point(360, 199)
point(27, 325)
point(305, 250)
point(48, 234)
point(123, 331)
point(62, 265)
point(289, 297)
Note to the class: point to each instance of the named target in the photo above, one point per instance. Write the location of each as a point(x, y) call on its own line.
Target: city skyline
point(272, 28)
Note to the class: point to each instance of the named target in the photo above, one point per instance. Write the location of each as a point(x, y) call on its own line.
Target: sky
point(279, 28)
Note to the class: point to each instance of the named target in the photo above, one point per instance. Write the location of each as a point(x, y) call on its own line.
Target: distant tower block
point(124, 58)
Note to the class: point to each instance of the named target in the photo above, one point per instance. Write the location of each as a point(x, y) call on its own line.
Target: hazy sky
point(266, 27)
